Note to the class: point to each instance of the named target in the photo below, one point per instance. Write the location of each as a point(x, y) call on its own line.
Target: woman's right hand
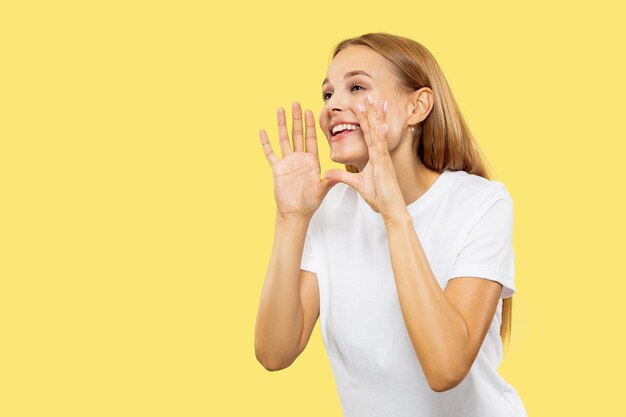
point(298, 188)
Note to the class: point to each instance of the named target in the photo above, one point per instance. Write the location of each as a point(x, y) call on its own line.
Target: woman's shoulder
point(470, 197)
point(465, 186)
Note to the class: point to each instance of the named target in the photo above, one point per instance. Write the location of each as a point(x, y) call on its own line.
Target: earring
point(412, 128)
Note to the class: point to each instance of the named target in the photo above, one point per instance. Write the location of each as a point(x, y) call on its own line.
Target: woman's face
point(355, 73)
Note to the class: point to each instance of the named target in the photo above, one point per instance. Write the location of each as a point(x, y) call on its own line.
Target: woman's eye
point(357, 87)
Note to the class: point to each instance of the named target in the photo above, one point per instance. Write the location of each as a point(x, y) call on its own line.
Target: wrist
point(400, 218)
point(292, 219)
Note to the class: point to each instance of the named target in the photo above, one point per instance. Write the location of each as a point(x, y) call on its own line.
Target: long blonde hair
point(443, 140)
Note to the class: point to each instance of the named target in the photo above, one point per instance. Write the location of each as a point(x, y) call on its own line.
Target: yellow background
point(137, 209)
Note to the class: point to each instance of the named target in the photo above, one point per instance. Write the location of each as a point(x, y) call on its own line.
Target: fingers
point(383, 128)
point(296, 133)
point(363, 122)
point(283, 136)
point(311, 138)
point(267, 148)
point(338, 175)
point(327, 185)
point(381, 144)
point(296, 127)
point(372, 120)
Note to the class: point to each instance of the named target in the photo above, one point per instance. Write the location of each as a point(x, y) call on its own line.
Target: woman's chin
point(342, 158)
point(348, 153)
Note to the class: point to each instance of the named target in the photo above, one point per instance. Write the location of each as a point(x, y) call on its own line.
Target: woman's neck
point(414, 178)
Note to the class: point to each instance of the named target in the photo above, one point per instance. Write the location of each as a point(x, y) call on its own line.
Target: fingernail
point(385, 106)
point(360, 106)
point(370, 99)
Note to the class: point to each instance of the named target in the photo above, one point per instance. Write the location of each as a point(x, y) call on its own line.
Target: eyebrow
point(348, 75)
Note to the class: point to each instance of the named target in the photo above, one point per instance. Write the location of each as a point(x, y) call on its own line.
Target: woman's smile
point(342, 135)
point(340, 130)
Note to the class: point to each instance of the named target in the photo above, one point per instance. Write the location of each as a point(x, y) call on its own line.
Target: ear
point(421, 103)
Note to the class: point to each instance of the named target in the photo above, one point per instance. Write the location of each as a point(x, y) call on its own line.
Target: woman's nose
point(334, 103)
point(330, 109)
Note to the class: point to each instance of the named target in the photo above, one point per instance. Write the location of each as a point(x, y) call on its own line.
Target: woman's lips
point(343, 134)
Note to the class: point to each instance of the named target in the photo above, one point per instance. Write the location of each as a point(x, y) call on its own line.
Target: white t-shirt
point(465, 225)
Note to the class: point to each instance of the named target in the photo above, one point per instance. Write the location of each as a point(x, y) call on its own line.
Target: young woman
point(406, 257)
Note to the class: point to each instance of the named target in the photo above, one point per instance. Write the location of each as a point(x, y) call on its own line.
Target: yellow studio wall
point(137, 206)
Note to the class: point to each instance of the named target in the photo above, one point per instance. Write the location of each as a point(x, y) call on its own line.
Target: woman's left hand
point(377, 183)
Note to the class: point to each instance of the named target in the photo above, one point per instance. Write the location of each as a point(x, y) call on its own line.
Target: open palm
point(298, 188)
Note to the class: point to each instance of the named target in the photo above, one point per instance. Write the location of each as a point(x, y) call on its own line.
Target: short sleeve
point(487, 251)
point(307, 253)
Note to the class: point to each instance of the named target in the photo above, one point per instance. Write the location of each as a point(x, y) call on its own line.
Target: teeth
point(343, 127)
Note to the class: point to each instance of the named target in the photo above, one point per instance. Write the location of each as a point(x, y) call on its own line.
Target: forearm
point(279, 318)
point(438, 331)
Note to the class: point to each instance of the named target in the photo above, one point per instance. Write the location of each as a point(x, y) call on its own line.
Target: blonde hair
point(443, 141)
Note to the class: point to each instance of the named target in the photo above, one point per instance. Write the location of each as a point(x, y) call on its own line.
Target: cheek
point(395, 123)
point(323, 122)
point(397, 130)
point(323, 119)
